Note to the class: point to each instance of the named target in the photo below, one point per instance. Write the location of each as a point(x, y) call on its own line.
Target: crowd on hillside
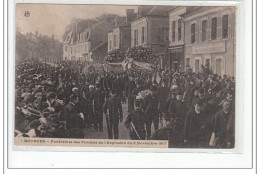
point(188, 109)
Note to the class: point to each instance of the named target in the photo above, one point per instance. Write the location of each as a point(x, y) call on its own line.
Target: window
point(85, 47)
point(192, 33)
point(114, 41)
point(187, 62)
point(71, 50)
point(165, 34)
point(110, 44)
point(207, 63)
point(204, 30)
point(225, 26)
point(142, 34)
point(197, 65)
point(136, 38)
point(214, 28)
point(179, 29)
point(159, 35)
point(173, 31)
point(65, 48)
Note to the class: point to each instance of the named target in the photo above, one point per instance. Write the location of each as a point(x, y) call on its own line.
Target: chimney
point(143, 10)
point(115, 21)
point(130, 16)
point(139, 12)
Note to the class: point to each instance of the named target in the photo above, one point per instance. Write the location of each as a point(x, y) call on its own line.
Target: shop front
point(213, 55)
point(176, 59)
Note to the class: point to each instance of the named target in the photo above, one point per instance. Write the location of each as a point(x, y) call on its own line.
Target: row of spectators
point(60, 101)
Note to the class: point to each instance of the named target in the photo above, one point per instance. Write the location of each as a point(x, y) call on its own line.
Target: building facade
point(151, 28)
point(120, 36)
point(209, 39)
point(82, 42)
point(175, 56)
point(77, 46)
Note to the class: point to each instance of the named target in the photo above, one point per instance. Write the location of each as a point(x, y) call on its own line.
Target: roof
point(159, 11)
point(192, 9)
point(81, 30)
point(99, 46)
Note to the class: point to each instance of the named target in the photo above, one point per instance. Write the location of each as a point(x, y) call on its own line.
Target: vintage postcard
point(130, 76)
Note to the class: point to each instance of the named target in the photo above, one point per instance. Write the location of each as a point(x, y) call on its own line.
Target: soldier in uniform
point(167, 132)
point(112, 108)
point(152, 113)
point(179, 112)
point(136, 122)
point(129, 87)
point(136, 90)
point(163, 96)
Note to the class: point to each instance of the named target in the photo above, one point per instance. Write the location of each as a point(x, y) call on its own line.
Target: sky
point(53, 19)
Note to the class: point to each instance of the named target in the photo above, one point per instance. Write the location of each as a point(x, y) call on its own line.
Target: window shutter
point(209, 29)
point(188, 29)
point(159, 34)
point(231, 25)
point(200, 30)
point(219, 27)
point(196, 32)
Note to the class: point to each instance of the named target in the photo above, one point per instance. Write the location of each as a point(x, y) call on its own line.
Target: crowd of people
point(188, 109)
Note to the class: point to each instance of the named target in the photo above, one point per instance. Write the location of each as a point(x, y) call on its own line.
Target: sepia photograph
point(134, 76)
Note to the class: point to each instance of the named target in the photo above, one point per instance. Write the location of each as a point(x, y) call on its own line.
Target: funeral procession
point(129, 73)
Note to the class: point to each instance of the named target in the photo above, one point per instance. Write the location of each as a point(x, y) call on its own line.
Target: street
point(123, 132)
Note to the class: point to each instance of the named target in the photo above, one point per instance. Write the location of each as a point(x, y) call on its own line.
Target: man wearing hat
point(223, 127)
point(179, 111)
point(91, 107)
point(167, 132)
point(136, 90)
point(136, 122)
point(152, 112)
point(170, 103)
point(129, 87)
point(163, 96)
point(112, 108)
point(196, 126)
point(98, 102)
point(71, 115)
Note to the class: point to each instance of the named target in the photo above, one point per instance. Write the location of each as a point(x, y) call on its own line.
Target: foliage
point(37, 46)
point(142, 54)
point(115, 56)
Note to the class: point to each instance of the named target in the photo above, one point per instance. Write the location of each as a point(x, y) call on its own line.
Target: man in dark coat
point(136, 122)
point(152, 113)
point(170, 104)
point(118, 86)
point(129, 87)
point(71, 115)
point(136, 90)
point(179, 112)
point(197, 127)
point(163, 96)
point(223, 127)
point(112, 108)
point(99, 99)
point(167, 132)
